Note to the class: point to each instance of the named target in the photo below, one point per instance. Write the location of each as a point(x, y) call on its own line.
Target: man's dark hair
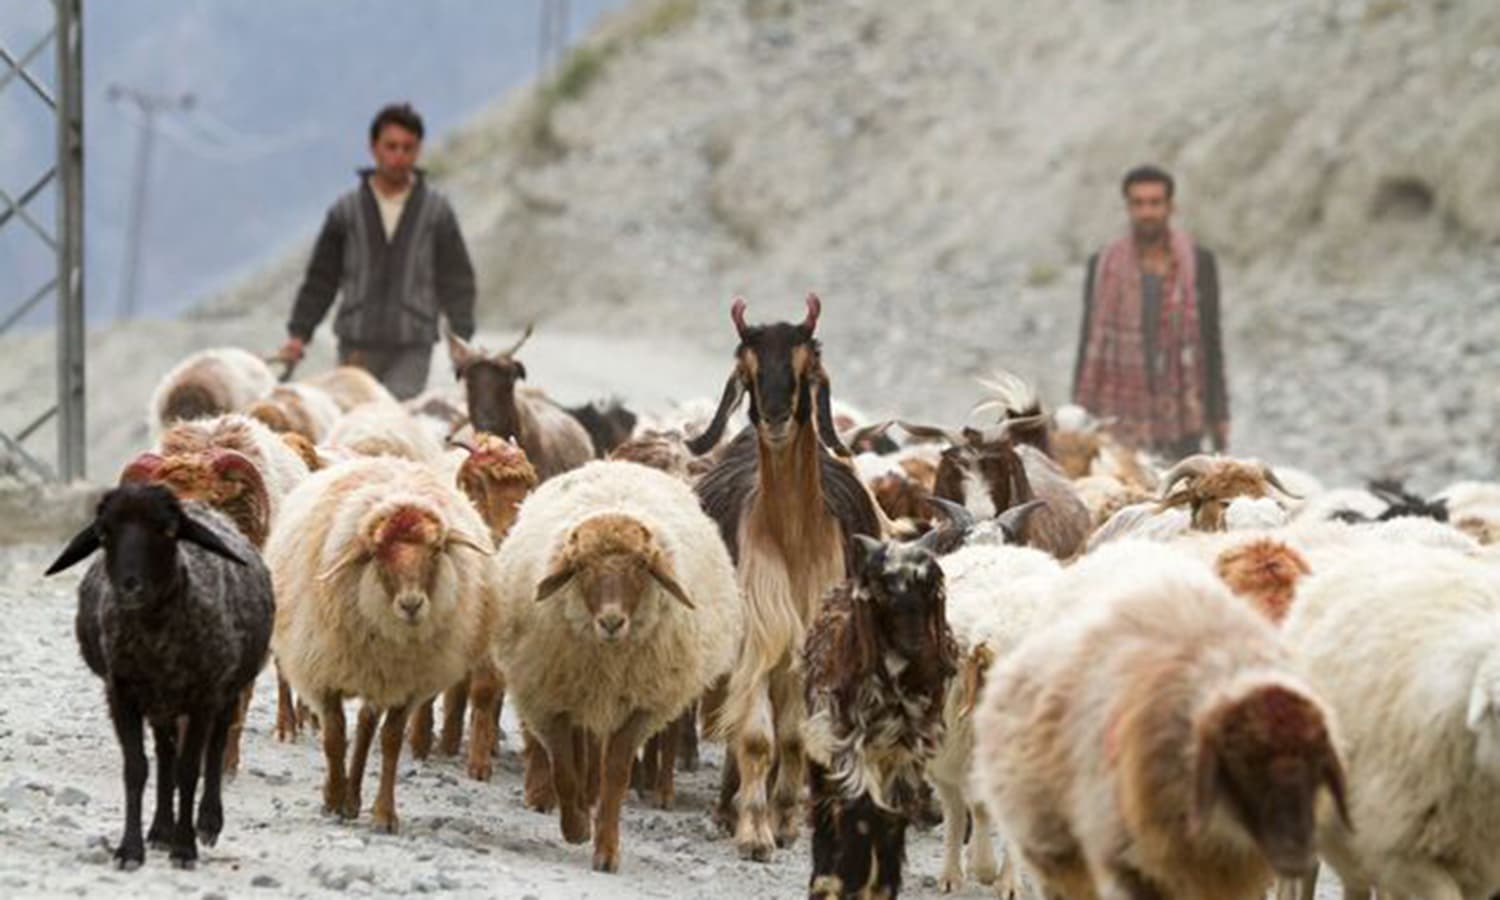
point(1147, 175)
point(396, 114)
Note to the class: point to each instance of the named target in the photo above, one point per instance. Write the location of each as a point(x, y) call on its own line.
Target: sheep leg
point(161, 830)
point(791, 761)
point(591, 755)
point(236, 730)
point(687, 739)
point(618, 754)
point(539, 793)
point(384, 816)
point(334, 783)
point(421, 730)
point(455, 704)
point(954, 813)
point(824, 884)
point(729, 787)
point(486, 688)
point(130, 731)
point(1420, 879)
point(556, 735)
point(666, 766)
point(287, 719)
point(188, 765)
point(211, 807)
point(643, 774)
point(981, 848)
point(364, 736)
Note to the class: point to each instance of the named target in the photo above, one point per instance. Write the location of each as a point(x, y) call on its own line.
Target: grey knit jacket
point(393, 290)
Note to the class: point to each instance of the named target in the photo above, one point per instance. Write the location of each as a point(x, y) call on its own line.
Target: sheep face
point(903, 587)
point(138, 527)
point(496, 477)
point(611, 561)
point(780, 367)
point(1266, 571)
point(1211, 482)
point(273, 416)
point(1267, 756)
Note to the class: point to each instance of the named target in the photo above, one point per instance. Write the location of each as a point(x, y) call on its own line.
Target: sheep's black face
point(137, 526)
point(777, 363)
point(905, 585)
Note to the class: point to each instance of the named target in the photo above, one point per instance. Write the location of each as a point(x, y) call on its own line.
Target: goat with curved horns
point(788, 510)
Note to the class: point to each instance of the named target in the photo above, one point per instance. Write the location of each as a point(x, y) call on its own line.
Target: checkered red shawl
point(1158, 407)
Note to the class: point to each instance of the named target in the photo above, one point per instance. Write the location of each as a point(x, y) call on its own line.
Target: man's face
point(395, 151)
point(1149, 208)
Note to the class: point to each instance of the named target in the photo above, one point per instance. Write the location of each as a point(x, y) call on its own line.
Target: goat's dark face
point(904, 586)
point(489, 382)
point(138, 527)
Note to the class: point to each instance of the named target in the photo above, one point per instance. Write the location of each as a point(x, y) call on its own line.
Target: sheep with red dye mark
point(1158, 740)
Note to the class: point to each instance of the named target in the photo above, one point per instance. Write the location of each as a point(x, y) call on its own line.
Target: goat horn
point(953, 437)
point(1013, 521)
point(737, 315)
point(956, 514)
point(1192, 467)
point(1275, 482)
point(814, 307)
point(460, 442)
point(530, 327)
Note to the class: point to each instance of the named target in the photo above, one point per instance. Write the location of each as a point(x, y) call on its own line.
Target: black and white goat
point(176, 618)
point(878, 659)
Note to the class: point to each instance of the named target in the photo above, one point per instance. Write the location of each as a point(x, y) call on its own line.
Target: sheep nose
point(411, 606)
point(130, 585)
point(611, 623)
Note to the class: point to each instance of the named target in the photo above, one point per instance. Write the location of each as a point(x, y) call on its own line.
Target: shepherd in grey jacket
point(392, 248)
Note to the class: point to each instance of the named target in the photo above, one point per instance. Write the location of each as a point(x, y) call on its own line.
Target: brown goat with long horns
point(788, 509)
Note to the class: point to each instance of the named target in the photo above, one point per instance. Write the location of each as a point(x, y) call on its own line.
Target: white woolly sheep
point(209, 383)
point(1157, 741)
point(619, 607)
point(351, 386)
point(996, 597)
point(384, 429)
point(1405, 645)
point(385, 592)
point(1474, 508)
point(297, 409)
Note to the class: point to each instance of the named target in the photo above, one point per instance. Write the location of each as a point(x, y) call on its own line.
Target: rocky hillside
point(939, 172)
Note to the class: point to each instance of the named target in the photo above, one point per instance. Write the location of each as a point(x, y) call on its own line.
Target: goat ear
point(826, 429)
point(975, 665)
point(520, 369)
point(729, 401)
point(1205, 785)
point(195, 532)
point(554, 582)
point(82, 546)
point(458, 538)
point(669, 584)
point(865, 547)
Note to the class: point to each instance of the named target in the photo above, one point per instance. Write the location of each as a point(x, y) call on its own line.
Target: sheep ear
point(1205, 785)
point(669, 584)
point(463, 539)
point(195, 532)
point(81, 547)
point(553, 583)
point(1333, 777)
point(351, 556)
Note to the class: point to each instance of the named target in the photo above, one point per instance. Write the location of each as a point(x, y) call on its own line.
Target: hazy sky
point(284, 92)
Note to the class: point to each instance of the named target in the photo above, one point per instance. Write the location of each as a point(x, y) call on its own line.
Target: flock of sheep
point(1187, 683)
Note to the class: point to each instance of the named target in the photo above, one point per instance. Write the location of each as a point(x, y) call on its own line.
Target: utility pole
point(149, 105)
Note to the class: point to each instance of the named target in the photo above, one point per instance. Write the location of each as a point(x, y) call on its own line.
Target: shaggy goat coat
point(552, 661)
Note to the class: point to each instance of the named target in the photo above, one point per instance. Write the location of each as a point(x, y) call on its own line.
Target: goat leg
point(824, 883)
point(130, 731)
point(391, 732)
point(364, 735)
point(954, 813)
point(334, 747)
point(455, 704)
point(160, 834)
point(890, 852)
point(981, 846)
point(617, 754)
point(211, 807)
point(189, 764)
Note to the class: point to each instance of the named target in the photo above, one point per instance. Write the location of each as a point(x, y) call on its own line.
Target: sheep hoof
point(984, 874)
point(128, 858)
point(606, 862)
point(207, 838)
point(576, 830)
point(160, 835)
point(950, 883)
point(349, 808)
point(480, 771)
point(185, 857)
point(449, 746)
point(384, 824)
point(757, 851)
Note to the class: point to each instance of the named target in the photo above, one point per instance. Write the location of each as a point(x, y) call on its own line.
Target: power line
point(150, 106)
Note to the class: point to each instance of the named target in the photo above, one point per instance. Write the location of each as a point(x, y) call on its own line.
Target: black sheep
point(176, 618)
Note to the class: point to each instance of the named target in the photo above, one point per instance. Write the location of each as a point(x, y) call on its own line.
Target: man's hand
point(291, 351)
point(1220, 433)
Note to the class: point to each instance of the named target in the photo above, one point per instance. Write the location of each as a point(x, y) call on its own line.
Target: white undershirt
point(390, 208)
